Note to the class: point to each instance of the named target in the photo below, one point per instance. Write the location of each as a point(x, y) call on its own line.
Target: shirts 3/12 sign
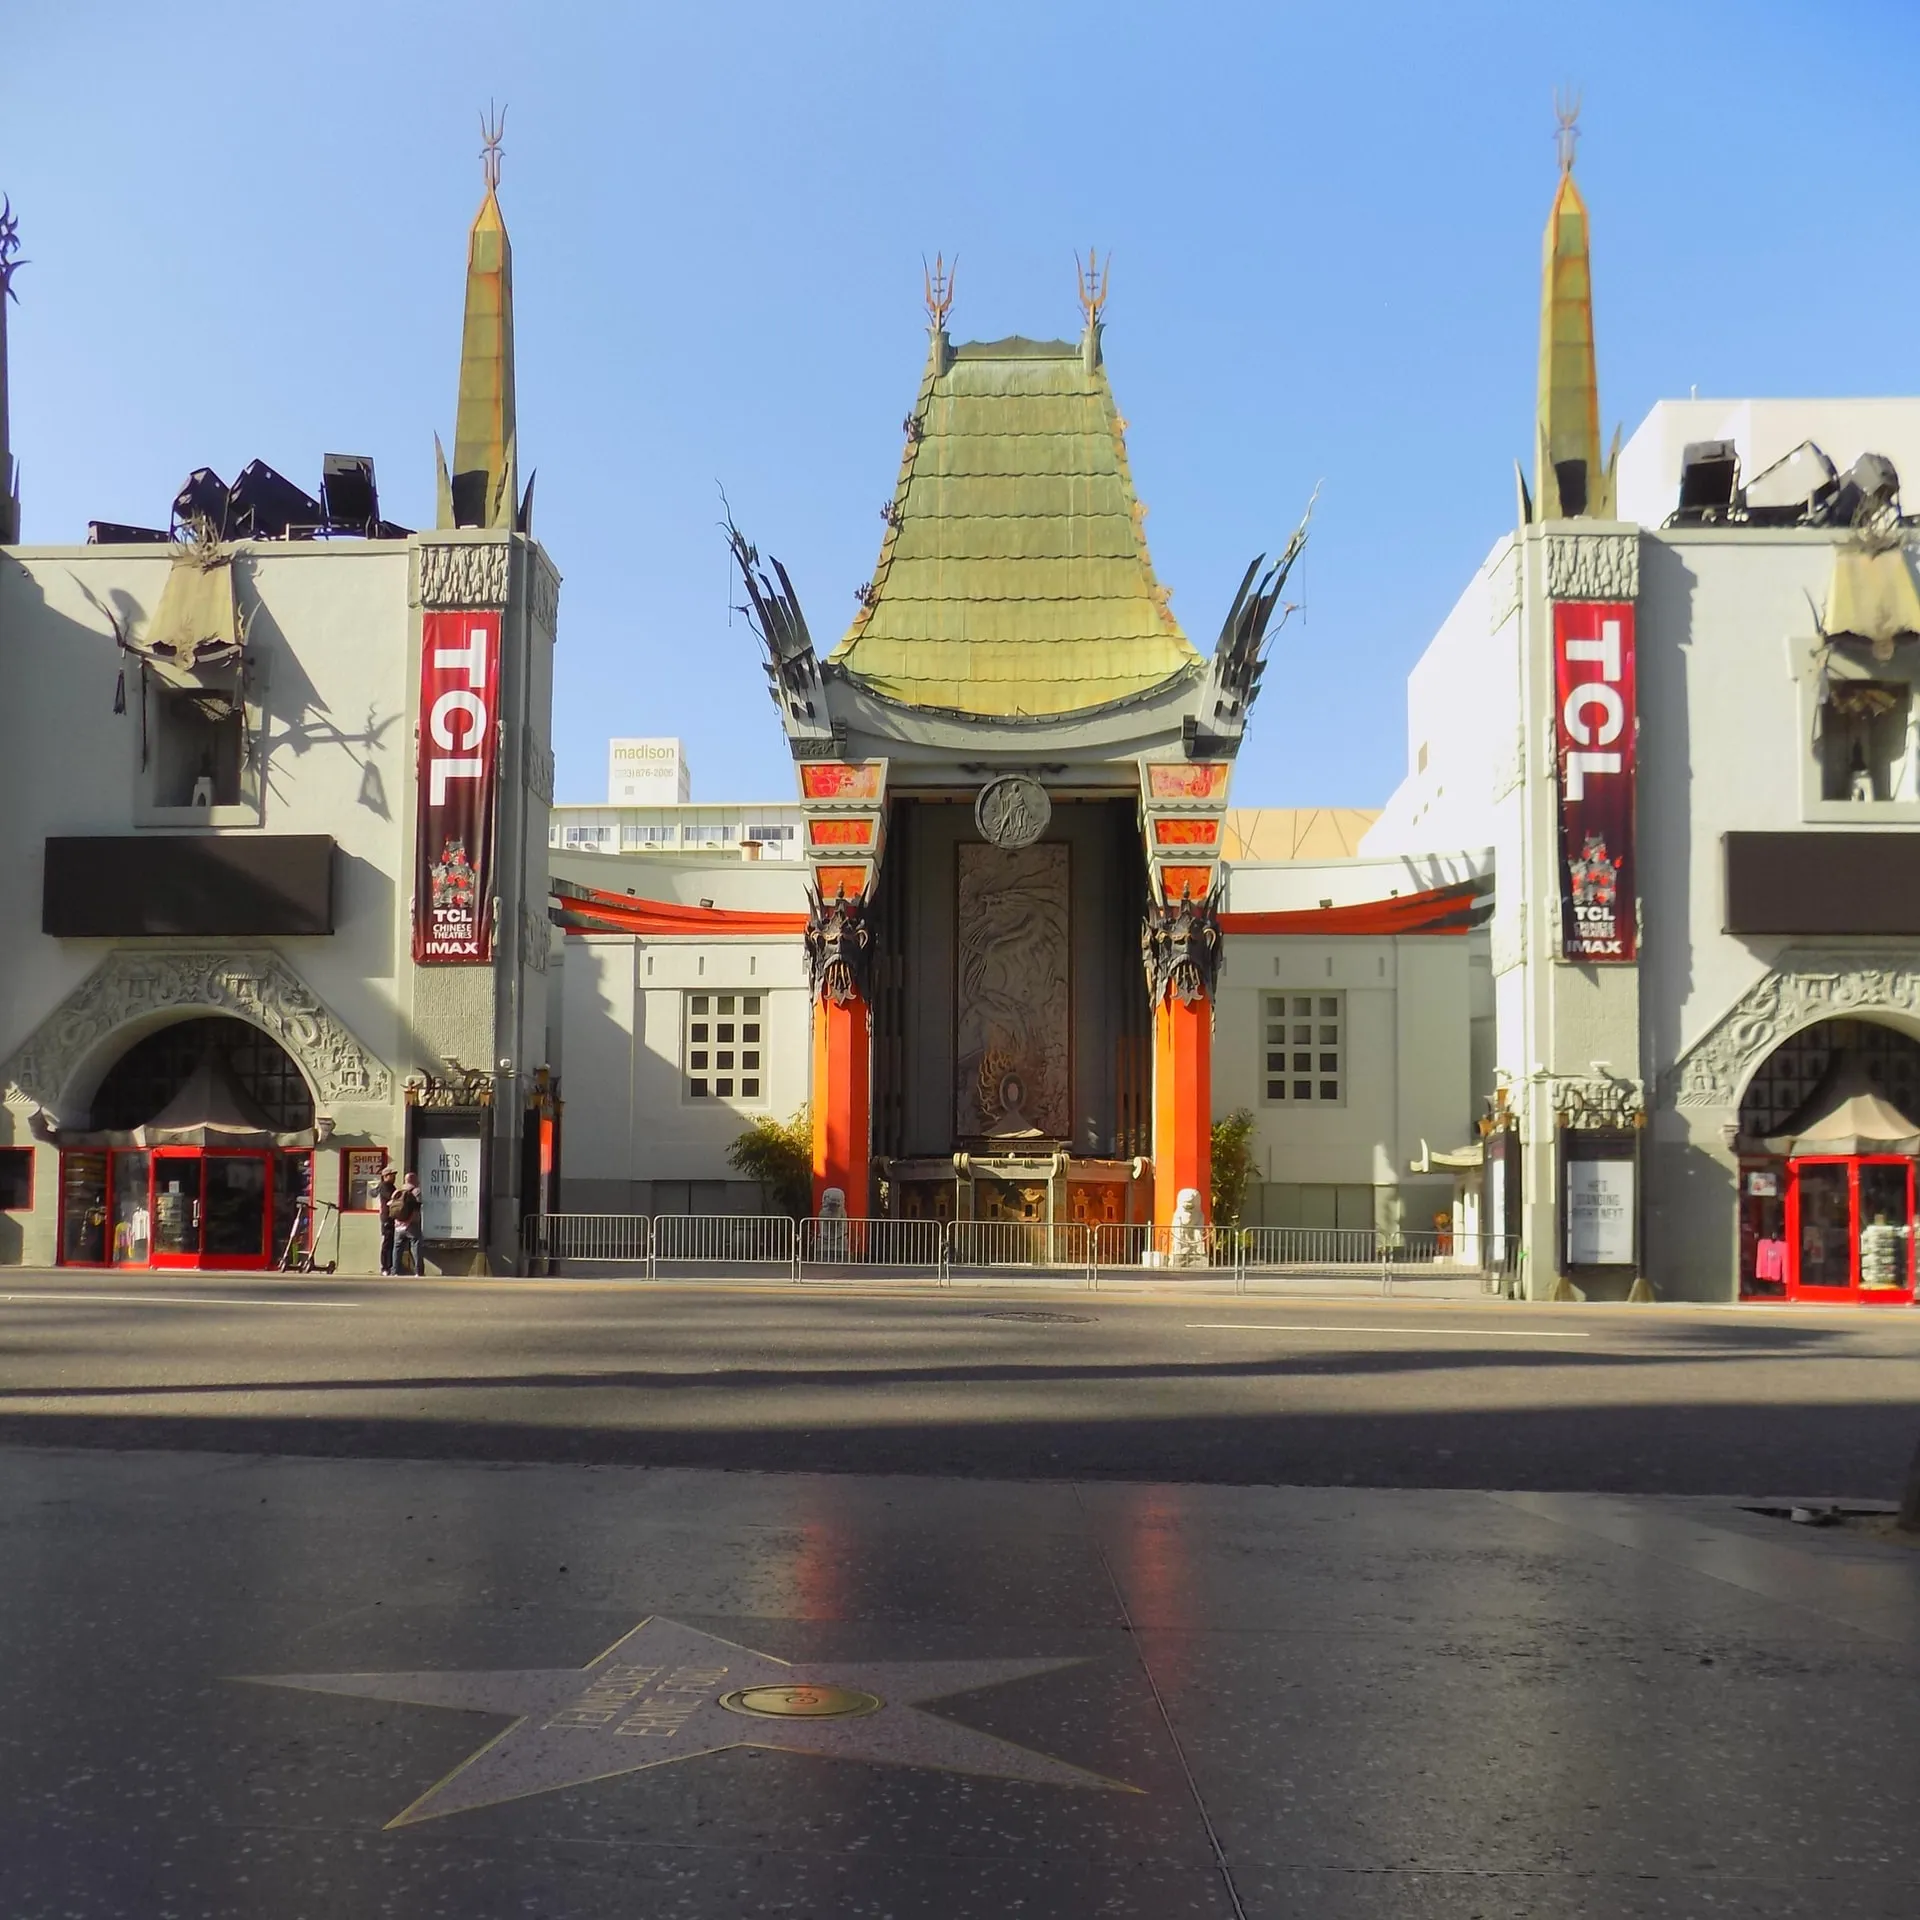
point(459, 712)
point(1593, 669)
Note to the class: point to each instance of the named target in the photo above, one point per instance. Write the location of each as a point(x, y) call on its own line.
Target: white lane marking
point(1459, 1333)
point(173, 1300)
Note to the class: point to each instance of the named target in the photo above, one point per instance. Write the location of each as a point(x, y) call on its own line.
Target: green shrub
point(779, 1154)
point(1232, 1165)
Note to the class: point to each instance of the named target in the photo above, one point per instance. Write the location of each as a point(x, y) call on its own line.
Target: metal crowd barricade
point(986, 1249)
point(1363, 1254)
point(1143, 1250)
point(605, 1238)
point(690, 1245)
point(722, 1242)
point(873, 1247)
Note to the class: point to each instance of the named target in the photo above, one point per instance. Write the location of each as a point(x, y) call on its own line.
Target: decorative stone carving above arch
point(463, 573)
point(1803, 989)
point(127, 990)
point(1593, 566)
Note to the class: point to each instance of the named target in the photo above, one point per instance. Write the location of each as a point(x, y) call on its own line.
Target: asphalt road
point(1020, 1384)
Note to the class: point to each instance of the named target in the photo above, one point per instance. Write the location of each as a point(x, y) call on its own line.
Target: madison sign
point(459, 767)
point(1594, 730)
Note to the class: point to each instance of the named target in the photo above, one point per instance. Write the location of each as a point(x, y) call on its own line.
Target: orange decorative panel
point(1175, 881)
point(1097, 1202)
point(848, 880)
point(836, 780)
point(1189, 780)
point(840, 833)
point(1186, 833)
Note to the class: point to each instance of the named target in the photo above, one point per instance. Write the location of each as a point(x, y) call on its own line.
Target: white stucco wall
point(333, 640)
point(630, 1122)
point(1409, 1007)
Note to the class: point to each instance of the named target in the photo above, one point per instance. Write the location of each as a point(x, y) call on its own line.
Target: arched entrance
point(198, 1152)
point(1828, 1146)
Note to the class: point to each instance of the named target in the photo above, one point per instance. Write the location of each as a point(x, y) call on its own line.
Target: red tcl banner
point(1594, 724)
point(459, 766)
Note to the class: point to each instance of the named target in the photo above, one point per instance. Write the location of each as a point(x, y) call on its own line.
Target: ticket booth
point(1827, 1204)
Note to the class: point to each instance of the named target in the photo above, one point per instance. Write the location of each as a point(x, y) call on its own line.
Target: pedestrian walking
point(406, 1225)
point(384, 1196)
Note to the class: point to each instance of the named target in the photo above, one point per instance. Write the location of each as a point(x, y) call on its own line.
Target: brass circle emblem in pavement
point(802, 1702)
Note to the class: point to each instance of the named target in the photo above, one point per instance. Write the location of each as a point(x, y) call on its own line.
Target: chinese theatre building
point(1013, 772)
point(1681, 703)
point(276, 780)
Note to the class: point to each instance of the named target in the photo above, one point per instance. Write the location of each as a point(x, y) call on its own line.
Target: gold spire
point(1569, 479)
point(483, 488)
point(1091, 280)
point(939, 279)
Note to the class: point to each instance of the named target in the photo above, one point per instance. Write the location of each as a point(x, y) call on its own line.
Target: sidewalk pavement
point(244, 1686)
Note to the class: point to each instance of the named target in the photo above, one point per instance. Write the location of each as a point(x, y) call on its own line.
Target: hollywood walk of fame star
point(665, 1692)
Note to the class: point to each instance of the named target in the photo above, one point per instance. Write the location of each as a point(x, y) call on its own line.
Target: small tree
point(779, 1154)
point(1232, 1165)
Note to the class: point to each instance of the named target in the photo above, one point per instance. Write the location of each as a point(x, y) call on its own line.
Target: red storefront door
point(1850, 1229)
point(210, 1209)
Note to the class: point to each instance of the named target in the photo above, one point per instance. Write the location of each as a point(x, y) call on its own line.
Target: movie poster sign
point(450, 1185)
point(450, 1149)
point(458, 776)
point(1599, 1213)
point(1594, 726)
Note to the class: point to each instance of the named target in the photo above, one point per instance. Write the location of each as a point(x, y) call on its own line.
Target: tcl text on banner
point(459, 733)
point(1594, 726)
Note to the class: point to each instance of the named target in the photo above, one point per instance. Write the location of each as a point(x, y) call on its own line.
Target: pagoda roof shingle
point(1014, 577)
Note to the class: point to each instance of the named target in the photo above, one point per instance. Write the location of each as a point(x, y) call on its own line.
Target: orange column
point(1182, 1104)
point(842, 1068)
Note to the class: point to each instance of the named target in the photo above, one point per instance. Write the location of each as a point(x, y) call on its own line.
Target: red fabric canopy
point(579, 909)
point(1449, 909)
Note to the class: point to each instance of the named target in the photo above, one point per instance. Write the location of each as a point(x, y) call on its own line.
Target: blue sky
point(247, 230)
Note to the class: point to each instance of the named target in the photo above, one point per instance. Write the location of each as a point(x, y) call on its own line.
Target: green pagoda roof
point(1014, 577)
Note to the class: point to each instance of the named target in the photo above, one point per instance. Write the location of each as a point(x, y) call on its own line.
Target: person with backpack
point(406, 1225)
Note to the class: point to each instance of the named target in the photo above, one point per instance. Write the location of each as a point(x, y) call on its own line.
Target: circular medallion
point(1012, 811)
point(802, 1702)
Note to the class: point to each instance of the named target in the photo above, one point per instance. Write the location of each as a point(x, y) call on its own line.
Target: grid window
point(1304, 1054)
point(631, 836)
point(725, 1050)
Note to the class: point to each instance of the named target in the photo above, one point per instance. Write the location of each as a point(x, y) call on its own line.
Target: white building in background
point(699, 830)
point(648, 773)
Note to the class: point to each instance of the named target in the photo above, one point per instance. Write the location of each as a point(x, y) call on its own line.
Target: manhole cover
point(801, 1702)
point(1050, 1319)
